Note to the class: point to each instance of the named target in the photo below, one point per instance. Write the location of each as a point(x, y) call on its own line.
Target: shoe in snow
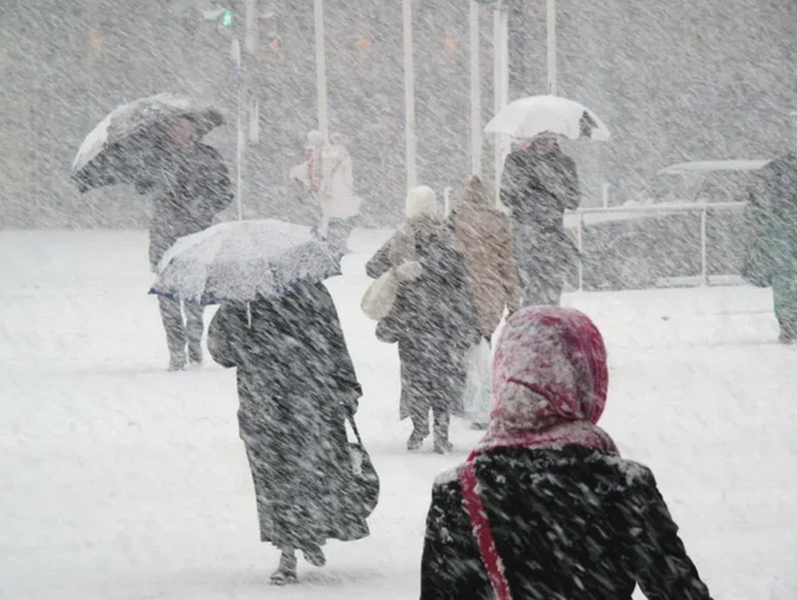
point(443, 446)
point(286, 571)
point(176, 364)
point(415, 441)
point(314, 555)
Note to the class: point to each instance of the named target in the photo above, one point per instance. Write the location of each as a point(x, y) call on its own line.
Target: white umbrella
point(530, 116)
point(242, 261)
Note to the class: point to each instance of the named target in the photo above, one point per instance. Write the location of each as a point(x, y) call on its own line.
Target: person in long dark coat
point(545, 507)
point(772, 248)
point(296, 386)
point(433, 320)
point(191, 186)
point(538, 184)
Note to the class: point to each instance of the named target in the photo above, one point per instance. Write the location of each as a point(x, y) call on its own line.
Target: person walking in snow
point(433, 318)
point(772, 247)
point(485, 235)
point(545, 507)
point(296, 386)
point(191, 186)
point(328, 176)
point(538, 184)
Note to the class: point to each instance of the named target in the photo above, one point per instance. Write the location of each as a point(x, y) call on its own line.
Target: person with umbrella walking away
point(433, 318)
point(191, 185)
point(772, 247)
point(538, 184)
point(545, 507)
point(296, 386)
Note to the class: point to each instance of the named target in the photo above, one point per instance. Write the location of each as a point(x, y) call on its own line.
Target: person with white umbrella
point(538, 184)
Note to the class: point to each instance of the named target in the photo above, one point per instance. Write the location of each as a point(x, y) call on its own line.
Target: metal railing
point(580, 218)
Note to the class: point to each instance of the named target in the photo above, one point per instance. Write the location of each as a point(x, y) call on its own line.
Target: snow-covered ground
point(120, 480)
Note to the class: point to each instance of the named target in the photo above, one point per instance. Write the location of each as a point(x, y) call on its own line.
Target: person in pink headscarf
point(544, 507)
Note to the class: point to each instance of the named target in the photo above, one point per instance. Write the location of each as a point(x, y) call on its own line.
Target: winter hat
point(422, 201)
point(315, 139)
point(550, 381)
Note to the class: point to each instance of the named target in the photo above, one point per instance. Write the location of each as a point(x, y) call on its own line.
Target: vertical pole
point(409, 95)
point(446, 201)
point(704, 245)
point(321, 70)
point(235, 54)
point(581, 251)
point(500, 86)
point(475, 93)
point(250, 40)
point(551, 22)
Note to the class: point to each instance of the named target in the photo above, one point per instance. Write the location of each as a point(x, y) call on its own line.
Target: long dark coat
point(433, 320)
point(538, 188)
point(296, 382)
point(570, 523)
point(192, 188)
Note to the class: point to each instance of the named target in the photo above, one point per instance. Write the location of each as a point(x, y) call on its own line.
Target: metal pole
point(409, 95)
point(500, 86)
point(704, 245)
point(250, 40)
point(321, 70)
point(581, 252)
point(235, 54)
point(551, 22)
point(475, 93)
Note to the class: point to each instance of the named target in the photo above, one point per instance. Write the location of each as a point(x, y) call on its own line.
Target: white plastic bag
point(478, 396)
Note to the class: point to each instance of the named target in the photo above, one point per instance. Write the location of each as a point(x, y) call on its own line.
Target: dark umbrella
point(124, 146)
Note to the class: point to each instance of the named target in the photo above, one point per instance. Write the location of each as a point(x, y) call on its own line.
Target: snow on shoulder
point(634, 472)
point(448, 476)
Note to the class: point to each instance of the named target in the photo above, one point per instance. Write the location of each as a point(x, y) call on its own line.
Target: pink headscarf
point(550, 382)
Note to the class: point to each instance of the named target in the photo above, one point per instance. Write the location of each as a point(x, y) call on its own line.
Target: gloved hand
point(350, 404)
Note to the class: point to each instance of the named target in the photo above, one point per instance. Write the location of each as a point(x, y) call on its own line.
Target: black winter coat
point(539, 188)
point(569, 524)
point(192, 189)
point(296, 384)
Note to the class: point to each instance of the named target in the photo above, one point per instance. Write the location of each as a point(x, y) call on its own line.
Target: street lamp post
point(409, 95)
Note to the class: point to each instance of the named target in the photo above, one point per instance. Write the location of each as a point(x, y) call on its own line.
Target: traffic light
point(227, 19)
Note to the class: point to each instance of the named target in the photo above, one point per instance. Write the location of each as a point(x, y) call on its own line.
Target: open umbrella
point(124, 145)
point(530, 116)
point(242, 261)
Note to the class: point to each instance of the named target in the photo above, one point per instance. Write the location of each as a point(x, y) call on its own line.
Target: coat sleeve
point(656, 553)
point(225, 335)
point(451, 567)
point(215, 188)
point(512, 183)
point(379, 263)
point(508, 269)
point(572, 199)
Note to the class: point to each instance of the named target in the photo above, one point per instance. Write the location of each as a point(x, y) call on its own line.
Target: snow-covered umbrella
point(124, 144)
point(530, 116)
point(242, 261)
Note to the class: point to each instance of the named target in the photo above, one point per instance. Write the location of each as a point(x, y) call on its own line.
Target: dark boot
point(286, 571)
point(420, 429)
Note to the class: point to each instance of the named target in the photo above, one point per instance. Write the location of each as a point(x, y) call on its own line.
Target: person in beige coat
point(486, 237)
